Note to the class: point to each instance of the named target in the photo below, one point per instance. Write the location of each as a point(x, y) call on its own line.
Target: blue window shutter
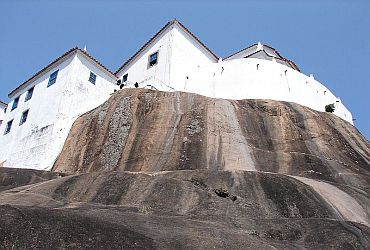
point(24, 117)
point(92, 78)
point(53, 78)
point(153, 59)
point(29, 94)
point(8, 127)
point(15, 103)
point(124, 78)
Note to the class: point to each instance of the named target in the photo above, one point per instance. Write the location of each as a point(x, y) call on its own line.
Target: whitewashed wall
point(52, 111)
point(240, 79)
point(251, 50)
point(28, 144)
point(187, 56)
point(178, 54)
point(185, 66)
point(157, 75)
point(2, 114)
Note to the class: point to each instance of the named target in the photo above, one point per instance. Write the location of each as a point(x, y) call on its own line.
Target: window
point(8, 127)
point(15, 103)
point(29, 94)
point(53, 78)
point(124, 78)
point(24, 117)
point(92, 78)
point(1, 122)
point(153, 59)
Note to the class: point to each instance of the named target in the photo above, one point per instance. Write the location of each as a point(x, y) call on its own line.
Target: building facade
point(175, 60)
point(262, 76)
point(3, 106)
point(166, 58)
point(42, 110)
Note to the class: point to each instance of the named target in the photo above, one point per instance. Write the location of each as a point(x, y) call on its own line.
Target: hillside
point(150, 169)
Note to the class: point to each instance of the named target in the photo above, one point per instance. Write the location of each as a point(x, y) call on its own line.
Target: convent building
point(36, 122)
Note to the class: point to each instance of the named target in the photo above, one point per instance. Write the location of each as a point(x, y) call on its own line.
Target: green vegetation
point(330, 108)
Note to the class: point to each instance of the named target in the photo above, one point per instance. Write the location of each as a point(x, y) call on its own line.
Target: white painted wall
point(187, 56)
point(2, 114)
point(157, 75)
point(259, 51)
point(180, 57)
point(178, 52)
point(52, 111)
point(240, 79)
point(183, 65)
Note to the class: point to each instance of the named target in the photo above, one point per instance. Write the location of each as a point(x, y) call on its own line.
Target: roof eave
point(197, 39)
point(57, 61)
point(60, 59)
point(153, 38)
point(146, 45)
point(239, 51)
point(3, 103)
point(97, 63)
point(289, 62)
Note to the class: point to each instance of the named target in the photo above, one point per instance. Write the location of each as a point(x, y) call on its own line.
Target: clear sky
point(328, 38)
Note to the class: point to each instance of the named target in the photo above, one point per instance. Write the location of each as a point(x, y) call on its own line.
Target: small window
point(92, 78)
point(53, 78)
point(24, 117)
point(15, 103)
point(8, 127)
point(124, 78)
point(29, 94)
point(1, 122)
point(153, 59)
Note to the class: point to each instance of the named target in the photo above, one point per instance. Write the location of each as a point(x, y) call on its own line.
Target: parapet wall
point(261, 79)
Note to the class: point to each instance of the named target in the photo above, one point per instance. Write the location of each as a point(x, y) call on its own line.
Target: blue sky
point(330, 39)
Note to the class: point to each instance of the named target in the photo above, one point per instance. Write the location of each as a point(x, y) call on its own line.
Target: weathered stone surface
point(12, 177)
point(158, 131)
point(44, 228)
point(150, 169)
point(176, 209)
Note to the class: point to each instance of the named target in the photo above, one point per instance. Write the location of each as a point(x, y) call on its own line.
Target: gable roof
point(239, 51)
point(161, 31)
point(63, 57)
point(280, 60)
point(288, 62)
point(3, 104)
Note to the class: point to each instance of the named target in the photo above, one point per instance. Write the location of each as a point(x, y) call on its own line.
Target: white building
point(165, 60)
point(42, 109)
point(260, 72)
point(175, 60)
point(3, 106)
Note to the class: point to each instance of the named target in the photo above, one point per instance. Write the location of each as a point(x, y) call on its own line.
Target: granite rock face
point(191, 209)
point(150, 169)
point(144, 130)
point(11, 177)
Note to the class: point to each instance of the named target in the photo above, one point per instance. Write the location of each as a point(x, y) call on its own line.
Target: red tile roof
point(59, 59)
point(174, 21)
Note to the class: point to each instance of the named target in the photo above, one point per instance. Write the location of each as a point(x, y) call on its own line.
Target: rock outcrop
point(191, 209)
point(150, 169)
point(144, 130)
point(150, 131)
